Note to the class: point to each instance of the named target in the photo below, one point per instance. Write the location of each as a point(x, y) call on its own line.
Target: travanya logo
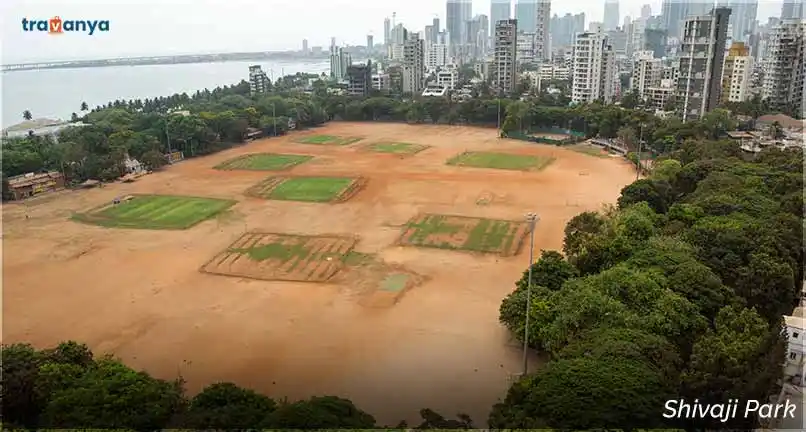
point(56, 25)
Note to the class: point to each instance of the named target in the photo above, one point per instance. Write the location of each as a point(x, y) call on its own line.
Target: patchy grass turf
point(505, 161)
point(396, 148)
point(264, 162)
point(155, 212)
point(328, 140)
point(465, 233)
point(269, 256)
point(314, 189)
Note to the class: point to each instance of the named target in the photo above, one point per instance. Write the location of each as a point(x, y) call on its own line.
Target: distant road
point(161, 60)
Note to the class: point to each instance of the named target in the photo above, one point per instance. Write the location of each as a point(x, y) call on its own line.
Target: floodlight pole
point(532, 219)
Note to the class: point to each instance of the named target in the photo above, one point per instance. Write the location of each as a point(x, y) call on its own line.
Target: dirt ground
point(140, 295)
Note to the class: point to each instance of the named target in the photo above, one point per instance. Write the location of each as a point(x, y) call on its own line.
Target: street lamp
point(532, 218)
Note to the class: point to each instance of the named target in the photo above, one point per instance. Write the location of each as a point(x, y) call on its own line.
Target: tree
point(73, 117)
point(433, 420)
point(227, 406)
point(631, 100)
point(325, 412)
point(645, 190)
point(586, 393)
point(26, 115)
point(84, 107)
point(153, 160)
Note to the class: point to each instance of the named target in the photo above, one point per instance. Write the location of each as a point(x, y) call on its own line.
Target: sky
point(165, 27)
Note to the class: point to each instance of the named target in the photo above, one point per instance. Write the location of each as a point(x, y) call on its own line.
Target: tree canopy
point(677, 292)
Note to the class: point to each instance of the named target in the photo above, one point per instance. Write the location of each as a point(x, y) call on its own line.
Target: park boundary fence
point(572, 137)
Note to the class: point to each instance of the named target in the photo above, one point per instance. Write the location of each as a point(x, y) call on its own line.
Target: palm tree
point(84, 106)
point(26, 115)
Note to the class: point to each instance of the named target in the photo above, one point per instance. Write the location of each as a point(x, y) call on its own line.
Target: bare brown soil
point(234, 261)
point(139, 294)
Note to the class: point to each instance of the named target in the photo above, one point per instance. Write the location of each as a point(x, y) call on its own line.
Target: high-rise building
point(647, 73)
point(500, 10)
point(359, 79)
point(305, 46)
point(339, 61)
point(414, 65)
point(434, 30)
point(594, 69)
point(702, 56)
point(737, 73)
point(742, 18)
point(332, 41)
point(477, 30)
point(526, 15)
point(398, 36)
point(784, 82)
point(611, 15)
point(370, 43)
point(675, 12)
point(565, 28)
point(525, 47)
point(793, 9)
point(646, 11)
point(457, 14)
point(436, 55)
point(387, 31)
point(655, 41)
point(258, 81)
point(505, 67)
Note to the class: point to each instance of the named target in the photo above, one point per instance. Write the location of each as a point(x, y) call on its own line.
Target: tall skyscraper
point(674, 13)
point(702, 56)
point(506, 67)
point(594, 69)
point(413, 65)
point(565, 28)
point(387, 31)
point(534, 16)
point(742, 18)
point(457, 14)
point(646, 11)
point(435, 30)
point(793, 9)
point(611, 15)
point(370, 43)
point(500, 10)
point(305, 46)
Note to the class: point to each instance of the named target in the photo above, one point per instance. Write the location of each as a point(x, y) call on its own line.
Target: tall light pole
point(640, 144)
point(532, 219)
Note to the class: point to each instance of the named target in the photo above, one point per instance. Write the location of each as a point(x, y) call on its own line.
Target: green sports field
point(264, 162)
point(155, 212)
point(309, 189)
point(504, 161)
point(396, 148)
point(328, 140)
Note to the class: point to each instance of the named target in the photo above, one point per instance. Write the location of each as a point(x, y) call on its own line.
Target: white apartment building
point(436, 56)
point(784, 85)
point(482, 68)
point(543, 31)
point(795, 350)
point(647, 72)
point(448, 78)
point(594, 69)
point(414, 66)
point(737, 76)
point(505, 61)
point(555, 72)
point(258, 81)
point(381, 82)
point(525, 47)
point(534, 79)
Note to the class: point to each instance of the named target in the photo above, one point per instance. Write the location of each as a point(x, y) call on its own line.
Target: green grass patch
point(312, 189)
point(396, 147)
point(156, 212)
point(505, 161)
point(284, 252)
point(465, 233)
point(394, 282)
point(264, 162)
point(328, 140)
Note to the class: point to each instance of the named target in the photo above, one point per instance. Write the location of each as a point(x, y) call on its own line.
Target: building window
point(793, 356)
point(795, 335)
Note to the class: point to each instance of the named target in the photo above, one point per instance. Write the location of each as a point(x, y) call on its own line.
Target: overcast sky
point(158, 27)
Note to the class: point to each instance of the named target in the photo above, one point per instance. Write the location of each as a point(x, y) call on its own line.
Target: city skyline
point(144, 28)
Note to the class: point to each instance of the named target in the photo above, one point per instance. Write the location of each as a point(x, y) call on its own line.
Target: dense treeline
point(68, 387)
point(677, 293)
point(209, 121)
